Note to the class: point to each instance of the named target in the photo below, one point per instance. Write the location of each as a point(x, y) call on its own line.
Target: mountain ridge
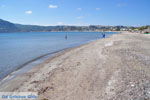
point(8, 27)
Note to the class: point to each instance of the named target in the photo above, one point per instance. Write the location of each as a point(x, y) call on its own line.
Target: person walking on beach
point(103, 34)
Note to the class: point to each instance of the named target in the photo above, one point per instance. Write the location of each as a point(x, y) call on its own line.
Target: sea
point(28, 49)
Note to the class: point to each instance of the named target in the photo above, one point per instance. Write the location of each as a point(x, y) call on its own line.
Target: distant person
point(66, 37)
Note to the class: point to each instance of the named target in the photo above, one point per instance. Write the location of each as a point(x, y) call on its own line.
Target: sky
point(76, 12)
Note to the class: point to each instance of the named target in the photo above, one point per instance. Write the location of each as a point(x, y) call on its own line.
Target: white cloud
point(52, 6)
point(28, 12)
point(98, 8)
point(79, 9)
point(80, 17)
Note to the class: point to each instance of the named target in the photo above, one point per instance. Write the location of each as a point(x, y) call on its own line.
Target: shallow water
point(16, 49)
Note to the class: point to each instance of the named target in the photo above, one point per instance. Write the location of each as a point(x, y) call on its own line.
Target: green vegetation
point(146, 33)
point(143, 27)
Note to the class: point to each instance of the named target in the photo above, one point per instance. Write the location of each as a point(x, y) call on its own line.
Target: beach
point(114, 68)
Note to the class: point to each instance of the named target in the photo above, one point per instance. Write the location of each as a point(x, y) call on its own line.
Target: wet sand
point(115, 68)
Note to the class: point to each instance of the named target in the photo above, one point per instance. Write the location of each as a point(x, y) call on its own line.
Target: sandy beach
point(114, 68)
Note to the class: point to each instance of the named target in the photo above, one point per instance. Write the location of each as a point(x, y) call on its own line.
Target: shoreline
point(12, 77)
point(24, 68)
point(29, 65)
point(110, 68)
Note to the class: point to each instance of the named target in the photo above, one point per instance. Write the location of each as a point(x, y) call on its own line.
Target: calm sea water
point(17, 49)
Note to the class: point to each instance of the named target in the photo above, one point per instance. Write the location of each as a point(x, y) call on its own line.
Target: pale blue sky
point(76, 12)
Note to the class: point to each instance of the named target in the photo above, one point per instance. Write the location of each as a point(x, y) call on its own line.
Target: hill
point(6, 26)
